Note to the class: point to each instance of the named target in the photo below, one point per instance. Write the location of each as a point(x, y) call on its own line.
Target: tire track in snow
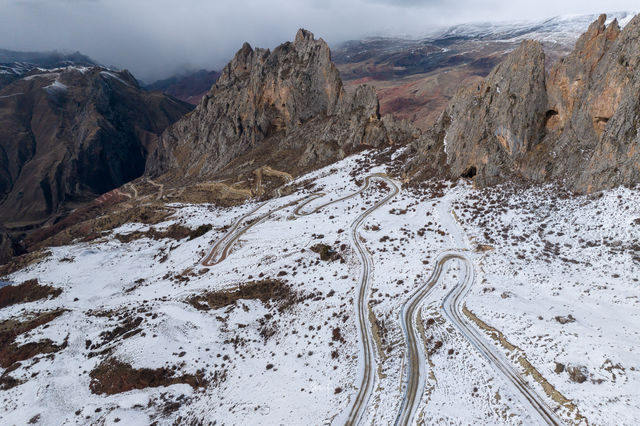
point(368, 364)
point(452, 307)
point(221, 249)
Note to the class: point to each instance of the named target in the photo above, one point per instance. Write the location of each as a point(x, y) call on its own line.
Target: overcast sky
point(155, 38)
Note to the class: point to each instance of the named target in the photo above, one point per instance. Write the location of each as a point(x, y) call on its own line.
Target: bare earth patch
point(28, 291)
point(11, 353)
point(112, 377)
point(269, 291)
point(175, 231)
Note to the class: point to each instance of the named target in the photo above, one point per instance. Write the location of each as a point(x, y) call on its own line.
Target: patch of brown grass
point(11, 353)
point(28, 291)
point(95, 227)
point(112, 376)
point(327, 253)
point(7, 382)
point(215, 192)
point(128, 327)
point(271, 292)
point(175, 231)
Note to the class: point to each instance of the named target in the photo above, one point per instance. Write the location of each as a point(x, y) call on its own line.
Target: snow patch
point(109, 74)
point(55, 88)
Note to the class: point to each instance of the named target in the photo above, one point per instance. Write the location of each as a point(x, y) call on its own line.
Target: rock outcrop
point(286, 109)
point(577, 124)
point(68, 135)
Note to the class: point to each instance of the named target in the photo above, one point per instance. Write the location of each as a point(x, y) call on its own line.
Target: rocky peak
point(303, 36)
point(569, 77)
point(577, 125)
point(597, 32)
point(271, 96)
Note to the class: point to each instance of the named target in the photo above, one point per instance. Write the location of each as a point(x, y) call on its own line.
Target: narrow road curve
point(416, 360)
point(452, 307)
point(367, 363)
point(367, 183)
point(221, 249)
point(367, 353)
point(160, 187)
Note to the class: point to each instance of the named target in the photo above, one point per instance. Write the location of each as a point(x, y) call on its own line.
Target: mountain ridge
point(265, 98)
point(68, 135)
point(572, 124)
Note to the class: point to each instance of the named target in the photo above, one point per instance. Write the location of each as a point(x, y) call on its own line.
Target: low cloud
point(156, 38)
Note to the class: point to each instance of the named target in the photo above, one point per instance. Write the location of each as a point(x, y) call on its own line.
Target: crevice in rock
point(549, 114)
point(470, 173)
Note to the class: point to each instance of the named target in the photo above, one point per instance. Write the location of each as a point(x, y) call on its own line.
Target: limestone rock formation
point(68, 135)
point(577, 125)
point(286, 109)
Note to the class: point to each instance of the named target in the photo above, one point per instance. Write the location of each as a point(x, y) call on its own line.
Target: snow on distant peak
point(55, 88)
point(42, 75)
point(559, 29)
point(625, 19)
point(108, 74)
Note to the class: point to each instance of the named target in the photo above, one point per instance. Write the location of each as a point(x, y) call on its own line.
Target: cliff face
point(491, 129)
point(68, 135)
point(578, 124)
point(286, 109)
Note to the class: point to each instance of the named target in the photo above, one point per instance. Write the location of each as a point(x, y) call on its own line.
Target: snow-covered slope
point(14, 65)
point(559, 29)
point(270, 333)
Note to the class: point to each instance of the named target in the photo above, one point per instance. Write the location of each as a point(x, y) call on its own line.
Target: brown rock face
point(494, 115)
point(286, 109)
point(578, 124)
point(68, 135)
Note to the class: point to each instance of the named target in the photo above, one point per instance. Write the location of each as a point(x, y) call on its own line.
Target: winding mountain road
point(367, 183)
point(222, 247)
point(453, 309)
point(367, 353)
point(367, 362)
point(416, 360)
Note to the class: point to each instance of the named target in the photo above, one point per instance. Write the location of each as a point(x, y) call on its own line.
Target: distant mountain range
point(415, 77)
point(189, 87)
point(98, 128)
point(70, 130)
point(14, 65)
point(45, 59)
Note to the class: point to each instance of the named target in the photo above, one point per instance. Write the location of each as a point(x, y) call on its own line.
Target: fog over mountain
point(157, 38)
